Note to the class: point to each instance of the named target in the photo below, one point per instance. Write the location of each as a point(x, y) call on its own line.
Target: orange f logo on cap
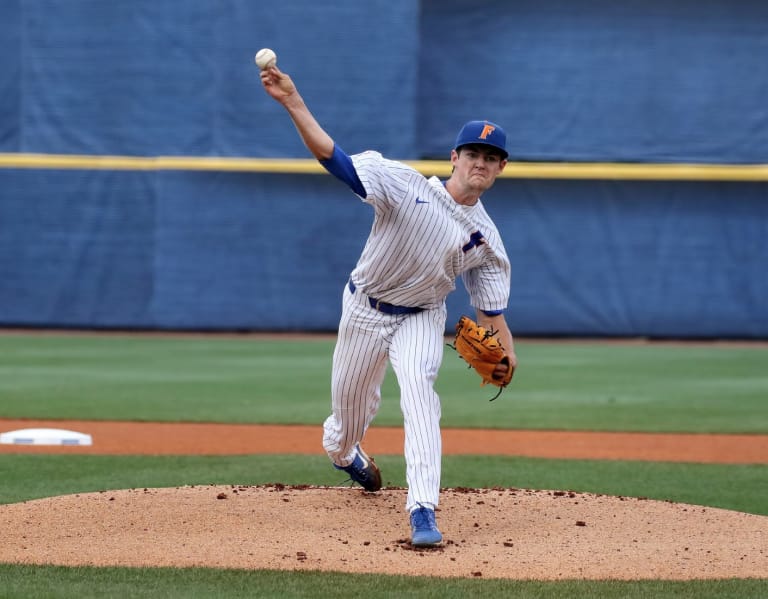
point(487, 130)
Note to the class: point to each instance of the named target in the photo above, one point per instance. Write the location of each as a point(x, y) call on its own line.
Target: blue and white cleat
point(363, 470)
point(424, 531)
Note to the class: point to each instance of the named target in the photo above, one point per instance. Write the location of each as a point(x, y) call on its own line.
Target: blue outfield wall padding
point(135, 78)
point(76, 248)
point(354, 62)
point(661, 259)
point(599, 80)
point(10, 76)
point(249, 251)
point(145, 78)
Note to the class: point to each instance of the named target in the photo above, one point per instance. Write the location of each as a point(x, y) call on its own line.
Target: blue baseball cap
point(483, 133)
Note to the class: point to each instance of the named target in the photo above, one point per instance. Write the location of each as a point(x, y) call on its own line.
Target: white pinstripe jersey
point(421, 240)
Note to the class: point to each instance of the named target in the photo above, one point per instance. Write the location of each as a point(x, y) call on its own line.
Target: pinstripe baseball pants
point(413, 344)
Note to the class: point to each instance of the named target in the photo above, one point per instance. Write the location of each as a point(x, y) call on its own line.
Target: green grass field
point(590, 386)
point(570, 386)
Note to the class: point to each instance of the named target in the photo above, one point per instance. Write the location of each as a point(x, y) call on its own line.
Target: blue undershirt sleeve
point(492, 312)
point(340, 166)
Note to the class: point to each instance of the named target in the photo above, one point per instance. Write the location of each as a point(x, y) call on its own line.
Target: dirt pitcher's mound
point(498, 533)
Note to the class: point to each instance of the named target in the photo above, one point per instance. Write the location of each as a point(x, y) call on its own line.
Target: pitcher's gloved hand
point(480, 348)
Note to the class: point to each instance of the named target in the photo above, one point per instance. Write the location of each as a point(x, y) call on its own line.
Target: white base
point(45, 436)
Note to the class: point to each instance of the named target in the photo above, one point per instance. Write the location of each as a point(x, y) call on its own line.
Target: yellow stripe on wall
point(157, 163)
point(514, 170)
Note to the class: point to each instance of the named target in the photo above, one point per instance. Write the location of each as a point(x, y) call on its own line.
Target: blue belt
point(385, 307)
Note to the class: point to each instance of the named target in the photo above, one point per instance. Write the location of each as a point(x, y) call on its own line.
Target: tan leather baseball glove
point(480, 348)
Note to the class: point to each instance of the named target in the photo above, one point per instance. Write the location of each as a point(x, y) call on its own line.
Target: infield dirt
point(173, 438)
point(492, 533)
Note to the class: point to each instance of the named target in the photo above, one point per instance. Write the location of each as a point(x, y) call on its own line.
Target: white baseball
point(265, 58)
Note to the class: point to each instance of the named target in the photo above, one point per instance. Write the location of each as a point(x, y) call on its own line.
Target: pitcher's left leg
point(415, 354)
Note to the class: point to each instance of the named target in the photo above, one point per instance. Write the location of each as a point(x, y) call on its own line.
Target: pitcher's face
point(476, 167)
